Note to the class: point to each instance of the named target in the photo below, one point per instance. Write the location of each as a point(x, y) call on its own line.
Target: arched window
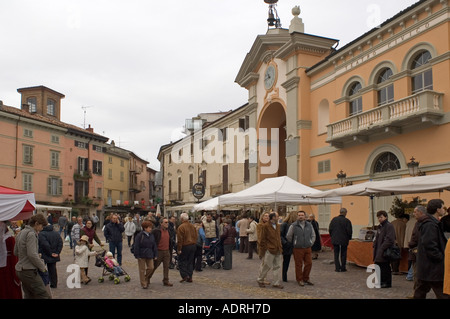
point(422, 79)
point(355, 99)
point(386, 162)
point(386, 90)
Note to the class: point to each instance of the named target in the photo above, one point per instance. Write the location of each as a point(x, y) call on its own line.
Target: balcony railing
point(423, 107)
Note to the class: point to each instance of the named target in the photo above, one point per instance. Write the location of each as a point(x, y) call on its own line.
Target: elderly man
point(270, 251)
point(186, 247)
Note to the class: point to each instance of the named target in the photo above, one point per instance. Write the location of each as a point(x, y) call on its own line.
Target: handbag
point(393, 253)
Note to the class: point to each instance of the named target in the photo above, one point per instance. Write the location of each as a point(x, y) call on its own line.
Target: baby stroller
point(108, 271)
point(213, 254)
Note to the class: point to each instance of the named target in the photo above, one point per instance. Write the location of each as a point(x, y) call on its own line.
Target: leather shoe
point(168, 284)
point(309, 283)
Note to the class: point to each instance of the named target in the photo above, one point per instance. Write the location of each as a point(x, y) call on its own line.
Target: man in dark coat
point(113, 234)
point(431, 253)
point(50, 246)
point(384, 239)
point(341, 232)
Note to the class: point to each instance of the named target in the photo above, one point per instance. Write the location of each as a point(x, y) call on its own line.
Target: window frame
point(420, 71)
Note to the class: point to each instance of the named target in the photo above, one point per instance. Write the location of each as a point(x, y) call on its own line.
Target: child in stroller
point(110, 267)
point(213, 254)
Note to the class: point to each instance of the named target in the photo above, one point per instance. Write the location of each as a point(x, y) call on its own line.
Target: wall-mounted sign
point(198, 190)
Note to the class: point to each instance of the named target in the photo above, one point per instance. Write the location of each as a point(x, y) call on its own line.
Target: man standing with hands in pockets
point(302, 236)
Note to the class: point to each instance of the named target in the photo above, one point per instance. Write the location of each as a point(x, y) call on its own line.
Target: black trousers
point(386, 274)
point(53, 274)
point(186, 261)
point(423, 288)
point(340, 257)
point(286, 261)
point(198, 258)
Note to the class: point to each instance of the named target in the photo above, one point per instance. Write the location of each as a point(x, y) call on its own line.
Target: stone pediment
point(279, 44)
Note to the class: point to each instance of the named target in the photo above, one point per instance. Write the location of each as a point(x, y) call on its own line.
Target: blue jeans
point(116, 246)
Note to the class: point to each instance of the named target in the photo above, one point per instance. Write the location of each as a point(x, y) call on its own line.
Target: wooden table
point(361, 253)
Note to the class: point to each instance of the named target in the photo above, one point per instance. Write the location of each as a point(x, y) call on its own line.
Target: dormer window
point(51, 107)
point(31, 101)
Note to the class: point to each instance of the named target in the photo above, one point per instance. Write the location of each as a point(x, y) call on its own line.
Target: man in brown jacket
point(270, 251)
point(186, 247)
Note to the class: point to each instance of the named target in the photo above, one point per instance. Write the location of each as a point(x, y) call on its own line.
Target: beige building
point(215, 153)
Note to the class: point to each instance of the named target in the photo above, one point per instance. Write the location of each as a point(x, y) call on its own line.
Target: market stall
point(16, 204)
point(279, 191)
point(361, 252)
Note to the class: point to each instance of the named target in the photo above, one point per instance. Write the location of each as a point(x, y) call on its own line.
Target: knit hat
point(109, 254)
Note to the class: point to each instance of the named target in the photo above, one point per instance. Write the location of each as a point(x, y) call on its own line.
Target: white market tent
point(278, 190)
point(16, 204)
point(212, 204)
point(407, 185)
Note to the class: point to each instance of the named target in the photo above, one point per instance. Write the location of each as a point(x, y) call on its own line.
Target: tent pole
point(373, 212)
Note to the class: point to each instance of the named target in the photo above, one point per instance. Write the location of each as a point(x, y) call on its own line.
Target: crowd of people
point(29, 252)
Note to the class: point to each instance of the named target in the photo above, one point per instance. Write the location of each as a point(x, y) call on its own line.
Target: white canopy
point(277, 190)
point(212, 204)
point(408, 185)
point(16, 204)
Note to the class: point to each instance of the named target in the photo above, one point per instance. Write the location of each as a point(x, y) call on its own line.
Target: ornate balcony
point(414, 112)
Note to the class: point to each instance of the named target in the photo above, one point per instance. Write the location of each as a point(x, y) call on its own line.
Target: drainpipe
point(17, 147)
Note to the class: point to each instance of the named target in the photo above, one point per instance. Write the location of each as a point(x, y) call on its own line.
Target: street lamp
point(342, 179)
point(413, 168)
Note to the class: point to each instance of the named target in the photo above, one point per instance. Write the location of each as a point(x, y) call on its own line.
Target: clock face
point(269, 77)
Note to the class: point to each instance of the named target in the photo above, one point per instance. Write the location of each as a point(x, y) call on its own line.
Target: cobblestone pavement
point(237, 283)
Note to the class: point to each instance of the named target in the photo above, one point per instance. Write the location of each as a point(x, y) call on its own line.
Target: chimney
point(90, 129)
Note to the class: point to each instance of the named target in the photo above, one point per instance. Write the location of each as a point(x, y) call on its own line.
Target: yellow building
point(366, 108)
point(116, 176)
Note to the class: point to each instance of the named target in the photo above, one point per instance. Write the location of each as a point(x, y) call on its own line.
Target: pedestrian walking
point(431, 253)
point(29, 263)
point(228, 239)
point(113, 234)
point(384, 239)
point(270, 251)
point(317, 246)
point(145, 251)
point(419, 215)
point(286, 244)
point(50, 247)
point(75, 232)
point(62, 223)
point(400, 229)
point(130, 229)
point(89, 230)
point(341, 231)
point(302, 236)
point(198, 256)
point(252, 237)
point(186, 247)
point(164, 243)
point(243, 236)
point(70, 225)
point(446, 227)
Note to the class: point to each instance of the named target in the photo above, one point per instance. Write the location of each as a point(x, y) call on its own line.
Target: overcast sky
point(140, 68)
